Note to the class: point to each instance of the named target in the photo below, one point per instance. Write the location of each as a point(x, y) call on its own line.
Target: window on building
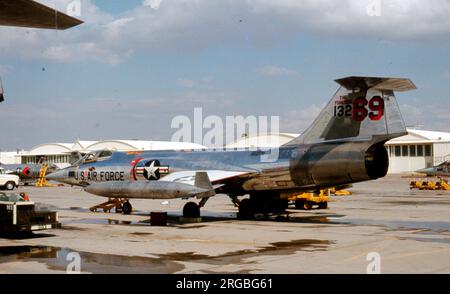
point(419, 150)
point(412, 150)
point(428, 150)
point(405, 150)
point(398, 151)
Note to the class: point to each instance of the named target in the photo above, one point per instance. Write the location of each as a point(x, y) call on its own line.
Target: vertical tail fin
point(364, 108)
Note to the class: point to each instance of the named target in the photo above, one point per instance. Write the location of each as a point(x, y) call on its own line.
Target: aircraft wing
point(28, 13)
point(216, 177)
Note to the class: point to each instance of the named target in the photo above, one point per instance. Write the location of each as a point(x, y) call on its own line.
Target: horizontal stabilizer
point(393, 84)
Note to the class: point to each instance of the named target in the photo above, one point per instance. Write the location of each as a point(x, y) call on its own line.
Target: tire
point(323, 205)
point(247, 209)
point(191, 210)
point(10, 186)
point(127, 208)
point(307, 205)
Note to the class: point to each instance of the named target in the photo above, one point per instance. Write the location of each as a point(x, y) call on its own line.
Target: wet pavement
point(409, 229)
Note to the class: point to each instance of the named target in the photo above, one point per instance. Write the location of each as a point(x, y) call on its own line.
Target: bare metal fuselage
point(301, 167)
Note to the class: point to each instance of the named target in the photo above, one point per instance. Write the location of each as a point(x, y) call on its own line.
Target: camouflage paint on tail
point(363, 109)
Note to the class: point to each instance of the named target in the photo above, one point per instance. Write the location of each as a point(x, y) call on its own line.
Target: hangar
point(419, 149)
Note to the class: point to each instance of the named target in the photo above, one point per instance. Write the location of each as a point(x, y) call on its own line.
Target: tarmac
point(383, 227)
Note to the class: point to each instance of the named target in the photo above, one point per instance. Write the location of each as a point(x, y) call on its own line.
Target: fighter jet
point(28, 173)
point(31, 14)
point(441, 170)
point(344, 145)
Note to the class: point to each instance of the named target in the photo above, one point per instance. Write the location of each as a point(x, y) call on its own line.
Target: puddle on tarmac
point(74, 208)
point(57, 258)
point(433, 240)
point(242, 256)
point(435, 226)
point(417, 203)
point(103, 221)
point(140, 234)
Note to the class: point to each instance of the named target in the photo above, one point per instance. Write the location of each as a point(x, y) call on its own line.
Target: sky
point(135, 65)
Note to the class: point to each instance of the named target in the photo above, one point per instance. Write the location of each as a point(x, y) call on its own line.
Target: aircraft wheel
point(191, 210)
point(323, 205)
point(10, 186)
point(246, 209)
point(127, 208)
point(307, 205)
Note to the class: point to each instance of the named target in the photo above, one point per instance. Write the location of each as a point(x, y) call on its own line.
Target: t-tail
point(364, 108)
point(345, 142)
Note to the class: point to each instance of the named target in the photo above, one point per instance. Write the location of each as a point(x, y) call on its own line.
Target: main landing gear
point(192, 209)
point(265, 204)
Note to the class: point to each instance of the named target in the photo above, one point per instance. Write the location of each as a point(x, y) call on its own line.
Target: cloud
point(152, 3)
point(5, 70)
point(297, 121)
point(40, 121)
point(187, 25)
point(430, 116)
point(186, 83)
point(204, 83)
point(272, 70)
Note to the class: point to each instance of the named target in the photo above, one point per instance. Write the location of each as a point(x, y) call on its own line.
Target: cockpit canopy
point(94, 157)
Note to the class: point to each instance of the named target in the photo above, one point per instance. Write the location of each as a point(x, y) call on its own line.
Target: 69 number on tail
point(360, 108)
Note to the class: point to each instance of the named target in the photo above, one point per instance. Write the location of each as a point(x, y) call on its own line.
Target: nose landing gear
point(127, 208)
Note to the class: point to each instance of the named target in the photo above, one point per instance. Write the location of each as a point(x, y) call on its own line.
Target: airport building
point(10, 157)
point(419, 149)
